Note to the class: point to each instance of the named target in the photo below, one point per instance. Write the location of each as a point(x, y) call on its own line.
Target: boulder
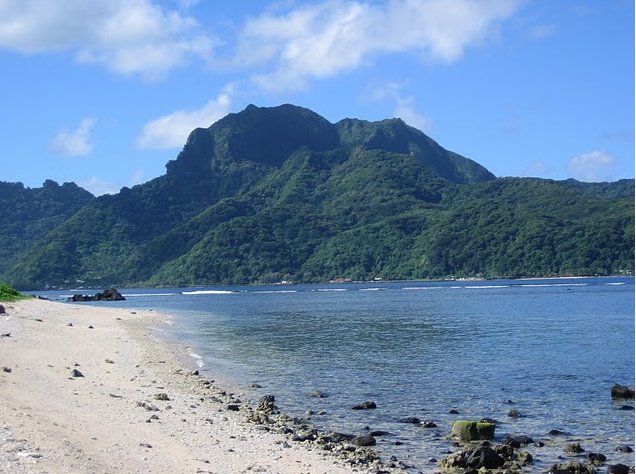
point(109, 294)
point(484, 456)
point(481, 457)
point(621, 391)
point(2, 310)
point(472, 430)
point(617, 469)
point(364, 440)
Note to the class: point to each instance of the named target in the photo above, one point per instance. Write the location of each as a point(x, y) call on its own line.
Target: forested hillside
point(273, 194)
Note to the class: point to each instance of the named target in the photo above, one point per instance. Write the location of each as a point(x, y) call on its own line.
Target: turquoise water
point(550, 349)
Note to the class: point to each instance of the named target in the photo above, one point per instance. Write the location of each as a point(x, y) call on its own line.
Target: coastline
point(134, 408)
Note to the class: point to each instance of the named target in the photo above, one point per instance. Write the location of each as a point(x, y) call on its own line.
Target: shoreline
point(90, 389)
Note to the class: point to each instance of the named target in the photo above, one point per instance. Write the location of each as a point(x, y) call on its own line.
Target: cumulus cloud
point(172, 130)
point(126, 36)
point(404, 106)
point(75, 142)
point(593, 166)
point(324, 39)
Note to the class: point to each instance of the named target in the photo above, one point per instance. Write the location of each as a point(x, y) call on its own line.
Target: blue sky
point(105, 92)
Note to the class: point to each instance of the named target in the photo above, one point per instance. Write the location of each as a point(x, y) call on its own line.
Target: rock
point(518, 441)
point(429, 424)
point(317, 394)
point(573, 448)
point(162, 396)
point(618, 469)
point(524, 457)
point(364, 440)
point(626, 408)
point(108, 361)
point(472, 430)
point(624, 449)
point(2, 310)
point(514, 413)
point(5, 334)
point(109, 294)
point(367, 405)
point(596, 458)
point(481, 457)
point(621, 391)
point(8, 370)
point(411, 419)
point(266, 404)
point(572, 467)
point(145, 445)
point(377, 433)
point(233, 407)
point(556, 433)
point(76, 373)
point(148, 406)
point(484, 456)
point(453, 412)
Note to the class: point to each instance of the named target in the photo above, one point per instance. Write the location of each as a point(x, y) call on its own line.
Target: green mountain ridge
point(280, 193)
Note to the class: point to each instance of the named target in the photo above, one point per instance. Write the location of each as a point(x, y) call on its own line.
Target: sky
point(105, 92)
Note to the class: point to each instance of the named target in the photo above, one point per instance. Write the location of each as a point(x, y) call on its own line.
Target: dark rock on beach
point(76, 373)
point(109, 294)
point(572, 467)
point(364, 440)
point(481, 457)
point(621, 391)
point(2, 310)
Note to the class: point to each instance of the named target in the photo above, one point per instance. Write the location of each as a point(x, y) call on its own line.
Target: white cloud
point(97, 187)
point(75, 142)
point(324, 39)
point(172, 130)
point(406, 110)
point(593, 166)
point(404, 106)
point(127, 36)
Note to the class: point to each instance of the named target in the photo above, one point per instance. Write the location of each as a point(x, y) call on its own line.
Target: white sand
point(53, 422)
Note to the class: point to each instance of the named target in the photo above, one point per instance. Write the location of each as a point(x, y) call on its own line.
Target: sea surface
point(548, 348)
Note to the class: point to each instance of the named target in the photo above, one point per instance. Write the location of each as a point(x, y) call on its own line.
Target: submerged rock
point(367, 405)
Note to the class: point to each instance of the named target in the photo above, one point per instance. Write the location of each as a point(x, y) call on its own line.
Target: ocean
point(439, 351)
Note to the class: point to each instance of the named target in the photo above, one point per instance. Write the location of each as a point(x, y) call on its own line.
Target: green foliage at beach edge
point(10, 294)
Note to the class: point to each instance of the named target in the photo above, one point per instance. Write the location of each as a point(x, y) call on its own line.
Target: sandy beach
point(130, 407)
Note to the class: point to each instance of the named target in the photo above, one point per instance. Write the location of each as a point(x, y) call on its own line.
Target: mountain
point(28, 214)
point(280, 193)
